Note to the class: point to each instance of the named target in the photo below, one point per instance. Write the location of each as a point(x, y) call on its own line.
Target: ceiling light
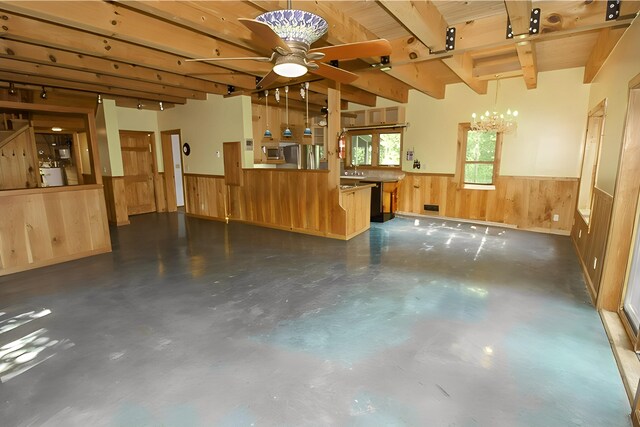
point(161, 106)
point(43, 94)
point(56, 129)
point(287, 132)
point(139, 106)
point(12, 89)
point(290, 66)
point(99, 99)
point(295, 25)
point(494, 121)
point(267, 132)
point(307, 129)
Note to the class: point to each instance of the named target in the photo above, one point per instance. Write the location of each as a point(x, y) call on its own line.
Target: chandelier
point(495, 121)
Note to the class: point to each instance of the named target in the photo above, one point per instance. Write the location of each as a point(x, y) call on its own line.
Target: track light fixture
point(161, 106)
point(139, 105)
point(12, 89)
point(99, 99)
point(43, 94)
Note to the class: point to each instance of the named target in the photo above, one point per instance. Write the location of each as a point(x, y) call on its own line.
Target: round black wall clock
point(186, 149)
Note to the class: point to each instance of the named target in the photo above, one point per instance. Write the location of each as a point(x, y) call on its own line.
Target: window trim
point(375, 147)
point(463, 132)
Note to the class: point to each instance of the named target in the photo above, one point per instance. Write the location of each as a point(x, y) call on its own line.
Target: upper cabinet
point(373, 117)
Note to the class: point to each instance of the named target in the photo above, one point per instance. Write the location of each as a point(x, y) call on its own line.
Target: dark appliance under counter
point(383, 198)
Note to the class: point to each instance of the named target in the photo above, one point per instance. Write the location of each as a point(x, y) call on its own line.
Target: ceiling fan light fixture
point(295, 25)
point(290, 66)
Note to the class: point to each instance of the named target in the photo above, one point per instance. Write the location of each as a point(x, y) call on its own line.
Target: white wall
point(109, 139)
point(205, 125)
point(612, 83)
point(550, 134)
point(141, 120)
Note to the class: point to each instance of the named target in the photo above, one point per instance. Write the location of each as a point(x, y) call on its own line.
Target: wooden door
point(232, 163)
point(139, 170)
point(169, 171)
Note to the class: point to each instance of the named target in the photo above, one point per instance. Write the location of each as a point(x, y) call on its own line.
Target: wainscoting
point(116, 200)
point(51, 225)
point(529, 203)
point(591, 240)
point(285, 199)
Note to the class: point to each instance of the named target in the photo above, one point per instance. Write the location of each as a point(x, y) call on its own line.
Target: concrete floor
point(197, 323)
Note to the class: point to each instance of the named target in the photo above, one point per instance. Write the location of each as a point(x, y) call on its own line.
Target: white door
point(177, 165)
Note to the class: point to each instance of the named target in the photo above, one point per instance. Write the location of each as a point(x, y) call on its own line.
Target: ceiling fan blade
point(269, 78)
point(242, 58)
point(333, 73)
point(314, 56)
point(312, 65)
point(265, 34)
point(380, 47)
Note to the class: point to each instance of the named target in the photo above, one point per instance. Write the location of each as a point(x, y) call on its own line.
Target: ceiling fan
point(289, 34)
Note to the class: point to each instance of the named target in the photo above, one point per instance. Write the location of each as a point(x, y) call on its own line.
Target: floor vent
point(434, 208)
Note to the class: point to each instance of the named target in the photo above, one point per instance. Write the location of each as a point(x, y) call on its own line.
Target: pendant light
point(267, 133)
point(287, 132)
point(307, 129)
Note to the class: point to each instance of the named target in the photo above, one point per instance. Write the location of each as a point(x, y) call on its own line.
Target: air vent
point(433, 208)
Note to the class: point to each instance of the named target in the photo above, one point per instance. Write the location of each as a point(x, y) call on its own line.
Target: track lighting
point(139, 105)
point(43, 94)
point(12, 89)
point(161, 106)
point(99, 99)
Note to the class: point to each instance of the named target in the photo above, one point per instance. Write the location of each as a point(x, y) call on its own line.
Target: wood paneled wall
point(51, 225)
point(590, 240)
point(116, 200)
point(525, 202)
point(205, 195)
point(295, 200)
point(19, 160)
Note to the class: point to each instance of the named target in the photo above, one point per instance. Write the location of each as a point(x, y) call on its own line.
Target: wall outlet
point(556, 218)
point(595, 262)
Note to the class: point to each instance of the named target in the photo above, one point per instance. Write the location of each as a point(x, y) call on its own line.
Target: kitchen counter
point(350, 188)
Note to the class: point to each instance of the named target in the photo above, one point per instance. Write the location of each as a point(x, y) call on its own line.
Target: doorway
point(139, 165)
point(173, 172)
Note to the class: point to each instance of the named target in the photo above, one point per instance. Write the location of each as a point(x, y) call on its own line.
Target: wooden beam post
point(519, 12)
point(527, 57)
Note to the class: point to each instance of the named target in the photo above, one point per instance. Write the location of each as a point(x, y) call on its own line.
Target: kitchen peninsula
point(306, 201)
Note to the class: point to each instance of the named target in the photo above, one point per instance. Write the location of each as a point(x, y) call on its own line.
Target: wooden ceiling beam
point(416, 77)
point(519, 12)
point(422, 18)
point(462, 65)
point(607, 40)
point(527, 57)
point(214, 18)
point(85, 87)
point(43, 33)
point(558, 19)
point(486, 67)
point(347, 93)
point(118, 22)
point(96, 79)
point(426, 23)
point(51, 56)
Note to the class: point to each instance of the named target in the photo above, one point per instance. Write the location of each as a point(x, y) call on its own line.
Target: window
point(374, 147)
point(480, 156)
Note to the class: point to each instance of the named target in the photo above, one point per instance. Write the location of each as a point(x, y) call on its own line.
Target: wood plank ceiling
point(135, 51)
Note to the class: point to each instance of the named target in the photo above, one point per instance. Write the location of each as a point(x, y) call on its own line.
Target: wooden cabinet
point(374, 117)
